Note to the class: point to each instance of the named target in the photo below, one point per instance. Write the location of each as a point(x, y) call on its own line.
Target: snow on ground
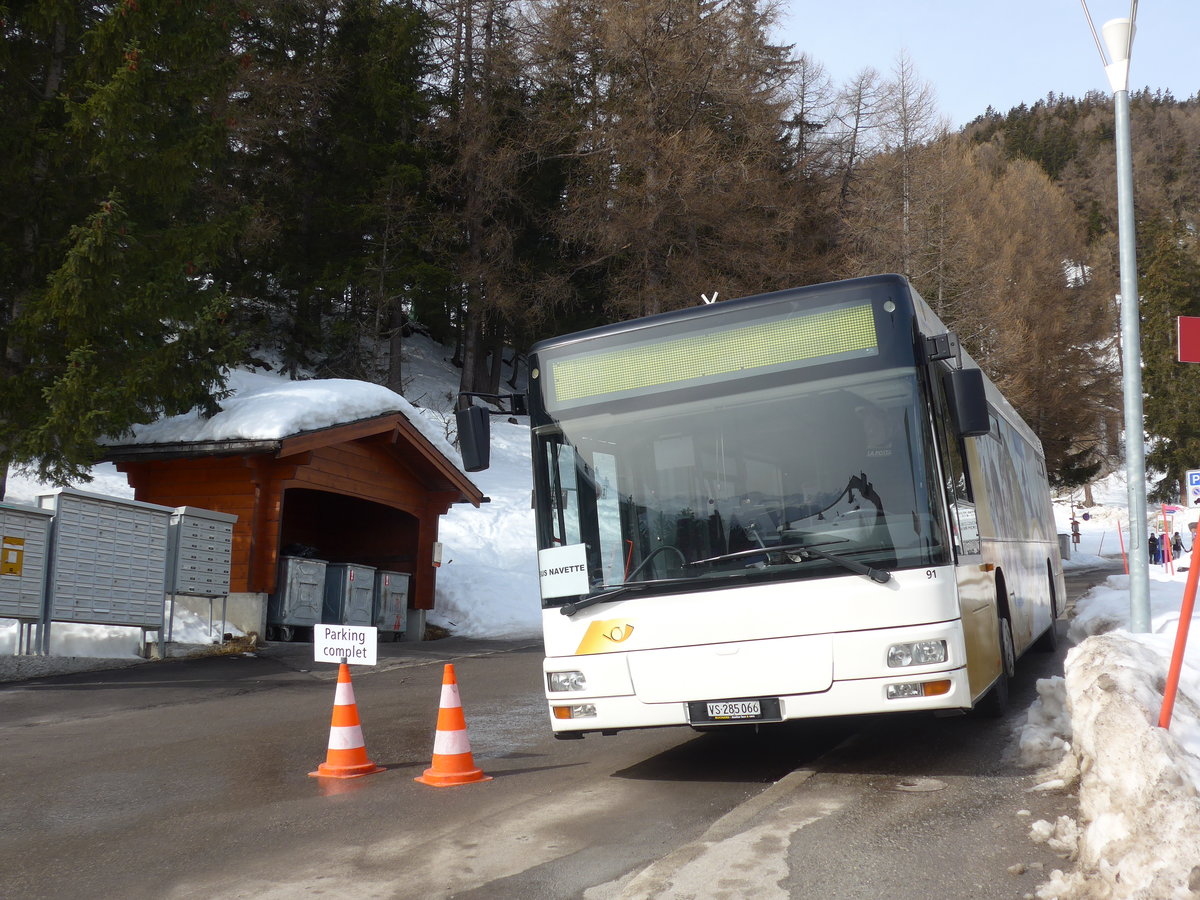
point(487, 585)
point(1095, 729)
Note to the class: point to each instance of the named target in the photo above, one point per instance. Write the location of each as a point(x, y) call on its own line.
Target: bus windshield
point(786, 481)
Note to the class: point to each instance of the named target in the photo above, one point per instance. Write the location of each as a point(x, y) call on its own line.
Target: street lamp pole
point(1118, 36)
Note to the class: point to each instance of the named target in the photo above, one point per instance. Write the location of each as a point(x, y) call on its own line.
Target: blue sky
point(1003, 52)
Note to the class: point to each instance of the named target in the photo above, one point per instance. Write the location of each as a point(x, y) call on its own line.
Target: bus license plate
point(734, 709)
point(751, 709)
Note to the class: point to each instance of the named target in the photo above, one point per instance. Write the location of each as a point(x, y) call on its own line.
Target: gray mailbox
point(24, 555)
point(108, 560)
point(201, 550)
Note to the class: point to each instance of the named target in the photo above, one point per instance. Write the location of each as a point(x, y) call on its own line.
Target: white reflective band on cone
point(345, 737)
point(451, 743)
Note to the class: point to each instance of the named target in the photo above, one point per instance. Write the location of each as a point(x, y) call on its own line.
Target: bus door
point(976, 590)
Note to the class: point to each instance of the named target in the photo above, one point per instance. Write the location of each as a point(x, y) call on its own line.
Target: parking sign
point(1193, 486)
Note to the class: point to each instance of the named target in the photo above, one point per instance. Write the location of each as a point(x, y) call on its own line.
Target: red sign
point(1189, 338)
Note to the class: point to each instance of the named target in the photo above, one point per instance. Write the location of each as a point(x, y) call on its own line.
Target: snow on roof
point(265, 407)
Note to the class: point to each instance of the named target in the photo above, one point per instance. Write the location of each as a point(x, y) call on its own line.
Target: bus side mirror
point(474, 437)
point(968, 402)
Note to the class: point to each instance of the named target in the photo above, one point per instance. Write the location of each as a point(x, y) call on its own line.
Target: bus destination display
point(762, 346)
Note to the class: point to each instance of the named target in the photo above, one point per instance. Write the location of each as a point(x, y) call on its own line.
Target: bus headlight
point(918, 689)
point(566, 681)
point(579, 711)
point(917, 653)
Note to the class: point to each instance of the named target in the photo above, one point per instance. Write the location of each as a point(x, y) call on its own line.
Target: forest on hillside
point(196, 184)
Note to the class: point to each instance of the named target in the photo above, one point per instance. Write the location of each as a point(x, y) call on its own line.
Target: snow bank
point(487, 586)
point(69, 639)
point(1138, 830)
point(1138, 805)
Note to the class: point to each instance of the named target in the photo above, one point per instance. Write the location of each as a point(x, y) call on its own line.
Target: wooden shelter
point(369, 492)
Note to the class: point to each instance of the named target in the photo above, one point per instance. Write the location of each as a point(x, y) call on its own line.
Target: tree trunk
point(496, 369)
point(395, 342)
point(473, 351)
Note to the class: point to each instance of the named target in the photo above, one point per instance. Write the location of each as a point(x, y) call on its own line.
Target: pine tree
point(112, 317)
point(374, 181)
point(1170, 286)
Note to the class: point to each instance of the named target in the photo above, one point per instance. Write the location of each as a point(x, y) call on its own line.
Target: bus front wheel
point(995, 702)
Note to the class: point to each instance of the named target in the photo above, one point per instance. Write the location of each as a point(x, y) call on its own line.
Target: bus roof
point(825, 290)
point(927, 321)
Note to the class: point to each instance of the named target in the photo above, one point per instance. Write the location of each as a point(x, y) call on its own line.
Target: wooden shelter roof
point(429, 462)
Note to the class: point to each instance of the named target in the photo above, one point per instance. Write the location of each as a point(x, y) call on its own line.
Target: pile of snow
point(1096, 728)
point(267, 407)
point(69, 639)
point(488, 585)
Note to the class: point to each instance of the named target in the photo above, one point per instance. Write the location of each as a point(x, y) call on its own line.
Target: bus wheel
point(994, 703)
point(1048, 642)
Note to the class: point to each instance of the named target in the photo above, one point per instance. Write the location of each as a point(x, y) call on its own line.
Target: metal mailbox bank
point(199, 558)
point(108, 560)
point(24, 554)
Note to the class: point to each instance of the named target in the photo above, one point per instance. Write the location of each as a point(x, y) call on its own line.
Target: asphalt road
point(190, 779)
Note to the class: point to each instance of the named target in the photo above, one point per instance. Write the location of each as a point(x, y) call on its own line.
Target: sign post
point(355, 644)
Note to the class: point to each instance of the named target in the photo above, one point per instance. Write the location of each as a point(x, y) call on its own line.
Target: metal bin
point(391, 601)
point(349, 594)
point(298, 596)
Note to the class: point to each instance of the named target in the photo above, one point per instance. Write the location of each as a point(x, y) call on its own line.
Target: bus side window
point(959, 494)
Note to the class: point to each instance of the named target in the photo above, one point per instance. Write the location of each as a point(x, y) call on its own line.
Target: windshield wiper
point(573, 606)
point(880, 575)
point(569, 609)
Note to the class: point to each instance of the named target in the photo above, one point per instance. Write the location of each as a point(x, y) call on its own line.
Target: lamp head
point(1118, 37)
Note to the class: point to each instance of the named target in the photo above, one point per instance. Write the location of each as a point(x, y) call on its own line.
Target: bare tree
point(881, 219)
point(858, 124)
point(1032, 315)
point(673, 135)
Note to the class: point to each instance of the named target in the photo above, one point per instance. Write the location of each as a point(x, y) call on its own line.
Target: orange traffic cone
point(347, 756)
point(452, 759)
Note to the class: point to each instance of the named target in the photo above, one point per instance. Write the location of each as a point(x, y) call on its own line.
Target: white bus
point(803, 503)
